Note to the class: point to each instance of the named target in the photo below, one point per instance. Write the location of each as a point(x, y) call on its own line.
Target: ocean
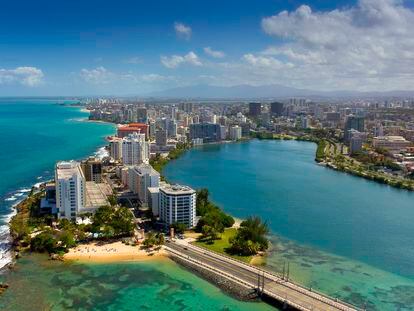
point(343, 235)
point(36, 133)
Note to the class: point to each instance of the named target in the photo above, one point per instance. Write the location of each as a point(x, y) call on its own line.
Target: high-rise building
point(353, 123)
point(142, 115)
point(115, 148)
point(355, 142)
point(187, 107)
point(196, 119)
point(333, 116)
point(209, 132)
point(140, 178)
point(235, 132)
point(70, 189)
point(172, 128)
point(153, 197)
point(223, 132)
point(304, 122)
point(161, 138)
point(152, 129)
point(92, 169)
point(276, 108)
point(255, 109)
point(135, 150)
point(173, 112)
point(177, 204)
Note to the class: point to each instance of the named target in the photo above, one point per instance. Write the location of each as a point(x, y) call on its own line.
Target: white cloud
point(216, 54)
point(102, 76)
point(177, 60)
point(182, 31)
point(369, 46)
point(266, 62)
point(99, 75)
point(28, 76)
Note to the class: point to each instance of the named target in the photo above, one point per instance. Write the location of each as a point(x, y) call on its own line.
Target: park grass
point(221, 245)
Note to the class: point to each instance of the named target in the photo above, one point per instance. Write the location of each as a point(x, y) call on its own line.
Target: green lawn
point(220, 245)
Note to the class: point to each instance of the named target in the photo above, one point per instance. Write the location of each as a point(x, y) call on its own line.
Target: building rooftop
point(176, 189)
point(144, 168)
point(132, 127)
point(391, 138)
point(66, 169)
point(153, 189)
point(96, 194)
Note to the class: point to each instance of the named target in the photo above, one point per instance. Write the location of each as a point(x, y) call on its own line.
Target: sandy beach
point(111, 252)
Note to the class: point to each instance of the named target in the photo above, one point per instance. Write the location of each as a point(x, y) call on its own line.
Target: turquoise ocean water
point(343, 235)
point(36, 133)
point(161, 285)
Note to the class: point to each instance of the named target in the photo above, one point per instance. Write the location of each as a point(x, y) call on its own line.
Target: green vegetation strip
point(223, 244)
point(159, 162)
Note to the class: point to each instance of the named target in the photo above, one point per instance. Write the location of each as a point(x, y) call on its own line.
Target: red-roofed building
point(125, 130)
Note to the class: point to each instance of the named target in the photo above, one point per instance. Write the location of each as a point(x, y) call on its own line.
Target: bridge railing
point(296, 305)
point(298, 287)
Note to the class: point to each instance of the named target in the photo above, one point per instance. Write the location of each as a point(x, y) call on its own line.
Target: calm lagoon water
point(343, 235)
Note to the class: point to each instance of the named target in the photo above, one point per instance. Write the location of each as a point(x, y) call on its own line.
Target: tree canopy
point(250, 237)
point(110, 221)
point(211, 214)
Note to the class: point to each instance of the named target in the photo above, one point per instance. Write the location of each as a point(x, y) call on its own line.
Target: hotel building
point(115, 148)
point(92, 169)
point(142, 177)
point(235, 132)
point(135, 150)
point(177, 204)
point(70, 189)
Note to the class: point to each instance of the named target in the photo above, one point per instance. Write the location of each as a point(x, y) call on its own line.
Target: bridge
point(264, 282)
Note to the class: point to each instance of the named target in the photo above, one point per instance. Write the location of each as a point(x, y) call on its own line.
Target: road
point(273, 286)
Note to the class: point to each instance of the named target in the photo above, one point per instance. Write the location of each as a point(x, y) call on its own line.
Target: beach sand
point(111, 252)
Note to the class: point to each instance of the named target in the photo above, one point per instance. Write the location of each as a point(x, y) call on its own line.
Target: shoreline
point(321, 160)
point(110, 252)
point(8, 254)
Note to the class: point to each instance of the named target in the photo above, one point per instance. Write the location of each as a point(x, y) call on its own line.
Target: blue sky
point(136, 47)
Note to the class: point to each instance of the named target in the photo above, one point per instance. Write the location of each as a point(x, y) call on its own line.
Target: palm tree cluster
point(250, 237)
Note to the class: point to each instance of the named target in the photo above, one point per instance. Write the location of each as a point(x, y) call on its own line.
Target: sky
point(126, 47)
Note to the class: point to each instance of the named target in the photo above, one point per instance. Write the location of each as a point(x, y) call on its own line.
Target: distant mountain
point(264, 91)
point(238, 91)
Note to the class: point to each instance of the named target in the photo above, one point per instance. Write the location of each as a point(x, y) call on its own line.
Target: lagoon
point(343, 235)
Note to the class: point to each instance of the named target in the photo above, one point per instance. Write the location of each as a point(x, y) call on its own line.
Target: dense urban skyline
point(138, 48)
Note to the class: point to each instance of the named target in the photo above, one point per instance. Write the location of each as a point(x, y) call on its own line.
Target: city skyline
point(140, 49)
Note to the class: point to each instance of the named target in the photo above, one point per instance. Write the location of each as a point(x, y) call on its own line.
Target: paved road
point(273, 285)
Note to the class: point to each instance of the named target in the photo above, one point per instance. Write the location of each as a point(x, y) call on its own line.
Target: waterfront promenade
point(285, 292)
